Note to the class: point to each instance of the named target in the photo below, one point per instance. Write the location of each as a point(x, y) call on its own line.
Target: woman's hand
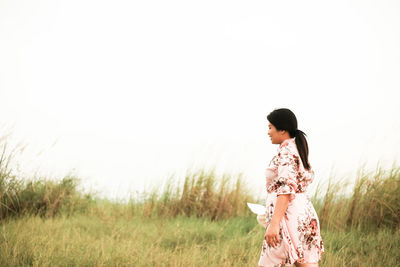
point(272, 235)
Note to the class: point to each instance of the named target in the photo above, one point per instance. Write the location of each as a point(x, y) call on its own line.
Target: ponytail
point(302, 147)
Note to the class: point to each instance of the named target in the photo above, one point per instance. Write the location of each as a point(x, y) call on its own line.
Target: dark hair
point(284, 119)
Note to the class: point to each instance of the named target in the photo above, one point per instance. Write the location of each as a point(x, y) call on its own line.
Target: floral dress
point(299, 231)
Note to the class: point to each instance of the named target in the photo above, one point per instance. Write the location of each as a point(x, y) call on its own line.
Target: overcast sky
point(124, 93)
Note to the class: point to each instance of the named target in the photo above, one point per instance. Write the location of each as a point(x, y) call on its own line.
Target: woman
point(292, 233)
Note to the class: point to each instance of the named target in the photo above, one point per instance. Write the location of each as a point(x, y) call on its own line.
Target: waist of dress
point(296, 193)
point(273, 195)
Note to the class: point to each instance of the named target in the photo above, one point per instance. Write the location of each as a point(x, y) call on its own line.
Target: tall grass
point(36, 196)
point(202, 194)
point(374, 201)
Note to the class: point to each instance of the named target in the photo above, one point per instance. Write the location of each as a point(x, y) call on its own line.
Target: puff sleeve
point(286, 181)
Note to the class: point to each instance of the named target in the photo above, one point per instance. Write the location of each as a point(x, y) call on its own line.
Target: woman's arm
point(272, 233)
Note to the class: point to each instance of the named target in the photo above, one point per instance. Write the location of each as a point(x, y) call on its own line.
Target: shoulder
point(288, 154)
point(288, 149)
point(288, 146)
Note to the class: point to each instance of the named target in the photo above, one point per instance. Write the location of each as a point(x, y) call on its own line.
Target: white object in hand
point(256, 208)
point(261, 220)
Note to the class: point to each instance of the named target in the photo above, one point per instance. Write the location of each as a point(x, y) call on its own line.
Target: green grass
point(84, 240)
point(93, 241)
point(360, 248)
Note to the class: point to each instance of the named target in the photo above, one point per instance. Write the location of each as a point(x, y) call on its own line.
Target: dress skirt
point(299, 233)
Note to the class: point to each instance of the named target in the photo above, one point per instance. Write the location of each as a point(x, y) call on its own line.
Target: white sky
point(124, 93)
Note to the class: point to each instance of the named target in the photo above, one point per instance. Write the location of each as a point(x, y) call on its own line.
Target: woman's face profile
point(274, 134)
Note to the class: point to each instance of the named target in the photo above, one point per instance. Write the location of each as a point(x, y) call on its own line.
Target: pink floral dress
point(300, 238)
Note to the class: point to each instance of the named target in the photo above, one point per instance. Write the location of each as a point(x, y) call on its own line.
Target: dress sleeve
point(287, 174)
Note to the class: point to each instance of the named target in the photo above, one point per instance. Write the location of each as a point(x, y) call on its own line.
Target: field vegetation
point(203, 221)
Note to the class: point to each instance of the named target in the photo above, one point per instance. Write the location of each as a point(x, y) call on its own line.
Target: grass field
point(182, 241)
point(203, 222)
